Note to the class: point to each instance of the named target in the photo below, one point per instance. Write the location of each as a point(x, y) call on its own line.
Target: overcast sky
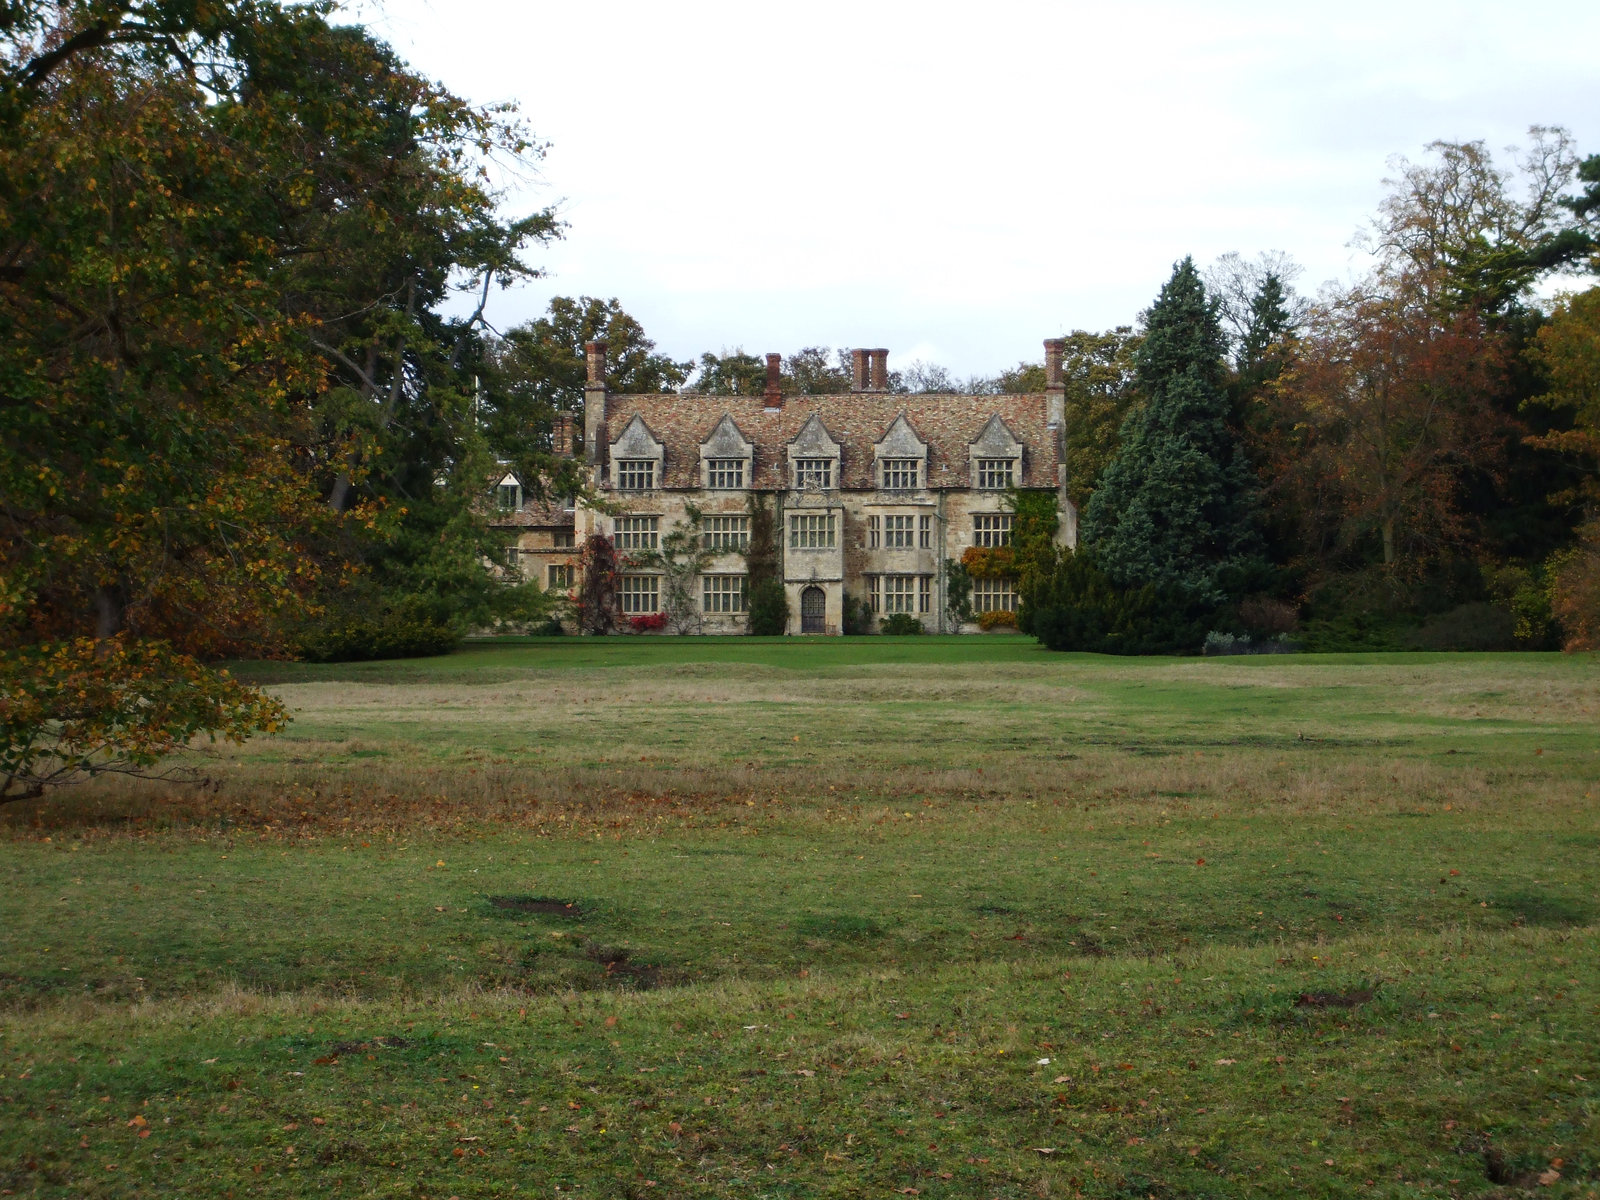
point(959, 181)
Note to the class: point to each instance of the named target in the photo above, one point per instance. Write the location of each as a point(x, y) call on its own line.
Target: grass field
point(865, 917)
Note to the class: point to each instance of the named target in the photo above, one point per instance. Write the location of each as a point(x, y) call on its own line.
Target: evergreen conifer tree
point(1176, 507)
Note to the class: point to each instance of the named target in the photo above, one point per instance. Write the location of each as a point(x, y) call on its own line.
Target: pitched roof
point(948, 424)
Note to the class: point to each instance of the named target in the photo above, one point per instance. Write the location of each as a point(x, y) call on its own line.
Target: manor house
point(871, 490)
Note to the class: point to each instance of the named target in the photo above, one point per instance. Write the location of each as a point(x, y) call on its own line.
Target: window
point(994, 595)
point(897, 533)
point(996, 474)
point(638, 533)
point(813, 472)
point(561, 539)
point(900, 474)
point(560, 575)
point(725, 474)
point(722, 593)
point(992, 529)
point(508, 497)
point(812, 531)
point(635, 474)
point(874, 526)
point(925, 532)
point(726, 535)
point(900, 593)
point(638, 594)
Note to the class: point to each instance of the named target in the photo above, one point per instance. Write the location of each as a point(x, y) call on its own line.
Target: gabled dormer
point(727, 458)
point(508, 493)
point(900, 458)
point(814, 457)
point(637, 458)
point(995, 456)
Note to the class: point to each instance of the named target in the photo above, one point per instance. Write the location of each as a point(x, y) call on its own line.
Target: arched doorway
point(813, 609)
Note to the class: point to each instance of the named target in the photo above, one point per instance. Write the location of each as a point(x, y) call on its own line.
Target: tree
point(1398, 405)
point(806, 372)
point(1454, 226)
point(223, 228)
point(767, 600)
point(681, 558)
point(599, 609)
point(1176, 507)
point(538, 369)
point(1238, 285)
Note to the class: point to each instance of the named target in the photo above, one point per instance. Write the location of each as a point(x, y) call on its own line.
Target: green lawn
point(658, 917)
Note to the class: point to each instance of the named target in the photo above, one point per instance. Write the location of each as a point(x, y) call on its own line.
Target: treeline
point(1408, 461)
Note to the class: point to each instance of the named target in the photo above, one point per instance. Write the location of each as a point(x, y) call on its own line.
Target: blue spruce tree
point(1176, 509)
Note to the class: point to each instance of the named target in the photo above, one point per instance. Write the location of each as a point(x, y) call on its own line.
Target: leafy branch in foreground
point(73, 710)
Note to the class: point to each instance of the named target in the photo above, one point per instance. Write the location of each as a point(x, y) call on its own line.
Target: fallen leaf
point(1226, 1062)
point(1044, 1149)
point(1546, 1178)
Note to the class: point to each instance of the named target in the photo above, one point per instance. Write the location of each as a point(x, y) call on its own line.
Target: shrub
point(1077, 607)
point(1268, 617)
point(900, 625)
point(769, 608)
point(1477, 626)
point(1220, 643)
point(648, 622)
point(996, 619)
point(1575, 591)
point(387, 634)
point(857, 616)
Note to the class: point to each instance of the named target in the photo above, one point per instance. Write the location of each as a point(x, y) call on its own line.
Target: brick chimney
point(594, 402)
point(878, 361)
point(859, 379)
point(774, 392)
point(561, 436)
point(1055, 387)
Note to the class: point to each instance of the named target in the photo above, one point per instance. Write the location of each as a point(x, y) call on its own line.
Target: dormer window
point(900, 474)
point(636, 474)
point(508, 494)
point(725, 474)
point(814, 473)
point(996, 474)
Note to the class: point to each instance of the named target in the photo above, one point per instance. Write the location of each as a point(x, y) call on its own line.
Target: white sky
point(958, 181)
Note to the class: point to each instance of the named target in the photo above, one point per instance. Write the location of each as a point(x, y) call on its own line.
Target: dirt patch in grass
point(538, 904)
point(1351, 999)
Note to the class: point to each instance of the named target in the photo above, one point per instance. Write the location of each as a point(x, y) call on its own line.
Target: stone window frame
point(635, 474)
point(726, 474)
point(994, 595)
point(995, 474)
point(925, 531)
point(725, 534)
point(636, 591)
point(899, 531)
point(642, 533)
point(814, 530)
point(900, 474)
point(992, 530)
point(560, 576)
point(909, 593)
point(813, 473)
point(723, 594)
point(563, 539)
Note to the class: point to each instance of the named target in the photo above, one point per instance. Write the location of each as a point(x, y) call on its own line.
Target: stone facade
point(871, 491)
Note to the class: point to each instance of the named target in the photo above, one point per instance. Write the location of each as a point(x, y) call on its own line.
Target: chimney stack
point(879, 363)
point(1054, 348)
point(594, 402)
point(561, 437)
point(1055, 388)
point(774, 392)
point(859, 379)
point(595, 355)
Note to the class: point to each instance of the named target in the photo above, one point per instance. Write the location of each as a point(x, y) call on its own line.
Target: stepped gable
point(949, 424)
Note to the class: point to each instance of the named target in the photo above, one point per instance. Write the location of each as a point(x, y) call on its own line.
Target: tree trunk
point(109, 611)
point(1387, 528)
